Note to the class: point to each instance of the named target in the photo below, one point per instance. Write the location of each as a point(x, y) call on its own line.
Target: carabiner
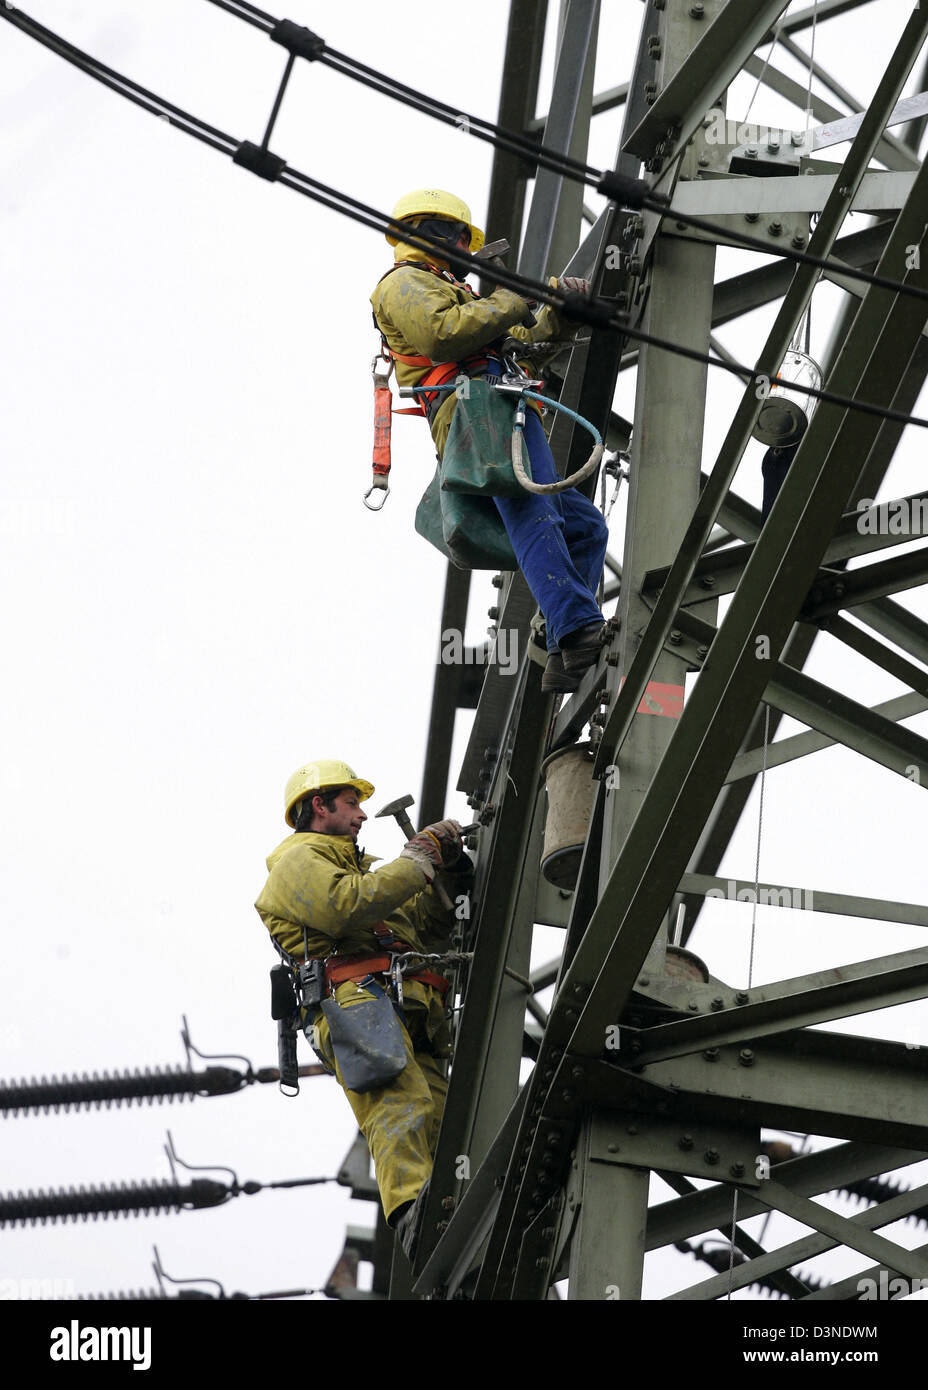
point(376, 487)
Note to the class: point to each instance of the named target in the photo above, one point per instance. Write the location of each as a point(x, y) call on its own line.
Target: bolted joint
point(711, 1156)
point(685, 1142)
point(746, 1057)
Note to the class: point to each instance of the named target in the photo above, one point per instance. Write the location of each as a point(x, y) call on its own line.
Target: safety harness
point(436, 376)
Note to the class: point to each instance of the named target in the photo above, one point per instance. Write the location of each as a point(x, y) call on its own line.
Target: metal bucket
point(785, 414)
point(571, 791)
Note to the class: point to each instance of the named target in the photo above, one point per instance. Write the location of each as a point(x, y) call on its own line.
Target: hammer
point(492, 252)
point(397, 809)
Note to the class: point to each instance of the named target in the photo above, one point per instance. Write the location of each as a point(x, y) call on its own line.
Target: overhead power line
point(575, 307)
point(302, 42)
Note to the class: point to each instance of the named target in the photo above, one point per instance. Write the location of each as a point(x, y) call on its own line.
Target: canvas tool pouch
point(367, 1039)
point(478, 454)
point(467, 530)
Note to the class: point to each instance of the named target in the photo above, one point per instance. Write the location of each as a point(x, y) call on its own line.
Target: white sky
point(197, 601)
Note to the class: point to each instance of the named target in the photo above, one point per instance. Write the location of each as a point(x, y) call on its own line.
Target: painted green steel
point(778, 341)
point(852, 1231)
point(720, 54)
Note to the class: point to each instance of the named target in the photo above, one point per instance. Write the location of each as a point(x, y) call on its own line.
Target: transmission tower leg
point(607, 1255)
point(608, 1243)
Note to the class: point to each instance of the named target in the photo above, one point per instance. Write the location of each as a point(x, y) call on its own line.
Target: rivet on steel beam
point(554, 1138)
point(685, 1142)
point(654, 45)
point(644, 980)
point(711, 1155)
point(568, 1095)
point(746, 1057)
point(708, 581)
point(577, 1073)
point(741, 997)
point(717, 1003)
point(751, 152)
point(775, 227)
point(703, 162)
point(631, 1129)
point(711, 1054)
point(548, 1232)
point(702, 650)
point(737, 1170)
point(612, 1148)
point(676, 637)
point(447, 1204)
point(752, 217)
point(773, 145)
point(693, 1007)
point(799, 240)
point(698, 9)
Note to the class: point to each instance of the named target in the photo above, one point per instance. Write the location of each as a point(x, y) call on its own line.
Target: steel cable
point(575, 307)
point(615, 187)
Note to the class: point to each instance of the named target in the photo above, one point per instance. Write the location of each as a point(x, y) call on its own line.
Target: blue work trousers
point(559, 540)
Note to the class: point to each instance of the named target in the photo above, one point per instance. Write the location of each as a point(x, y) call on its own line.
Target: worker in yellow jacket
point(321, 894)
point(428, 318)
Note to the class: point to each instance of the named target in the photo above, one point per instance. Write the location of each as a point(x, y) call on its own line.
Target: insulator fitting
point(97, 1089)
point(117, 1199)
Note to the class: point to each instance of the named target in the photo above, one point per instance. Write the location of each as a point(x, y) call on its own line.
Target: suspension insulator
point(117, 1199)
point(98, 1089)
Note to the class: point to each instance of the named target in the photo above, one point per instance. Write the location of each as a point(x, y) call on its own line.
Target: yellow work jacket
point(318, 882)
point(422, 314)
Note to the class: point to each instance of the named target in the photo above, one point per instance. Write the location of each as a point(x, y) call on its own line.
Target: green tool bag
point(468, 530)
point(478, 454)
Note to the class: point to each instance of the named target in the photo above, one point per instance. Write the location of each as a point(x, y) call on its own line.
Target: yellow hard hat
point(317, 777)
point(435, 202)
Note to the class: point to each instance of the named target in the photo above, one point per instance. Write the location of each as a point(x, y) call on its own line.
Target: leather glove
point(572, 284)
point(448, 835)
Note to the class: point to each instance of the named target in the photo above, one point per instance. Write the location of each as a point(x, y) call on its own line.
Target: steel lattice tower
point(559, 1168)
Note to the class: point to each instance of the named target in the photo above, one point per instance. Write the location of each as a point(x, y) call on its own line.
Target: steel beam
point(749, 763)
point(801, 1002)
point(899, 149)
point(554, 221)
point(805, 899)
point(476, 1097)
point(871, 582)
point(889, 151)
point(825, 9)
point(824, 1171)
point(879, 191)
point(718, 56)
point(815, 1082)
point(830, 1230)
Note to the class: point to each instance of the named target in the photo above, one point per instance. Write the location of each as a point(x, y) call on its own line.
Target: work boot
point(407, 1228)
point(581, 648)
point(555, 680)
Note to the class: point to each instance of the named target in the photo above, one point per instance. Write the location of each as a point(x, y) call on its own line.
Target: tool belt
point(337, 971)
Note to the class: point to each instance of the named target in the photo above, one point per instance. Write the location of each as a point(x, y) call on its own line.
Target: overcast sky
point(197, 601)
